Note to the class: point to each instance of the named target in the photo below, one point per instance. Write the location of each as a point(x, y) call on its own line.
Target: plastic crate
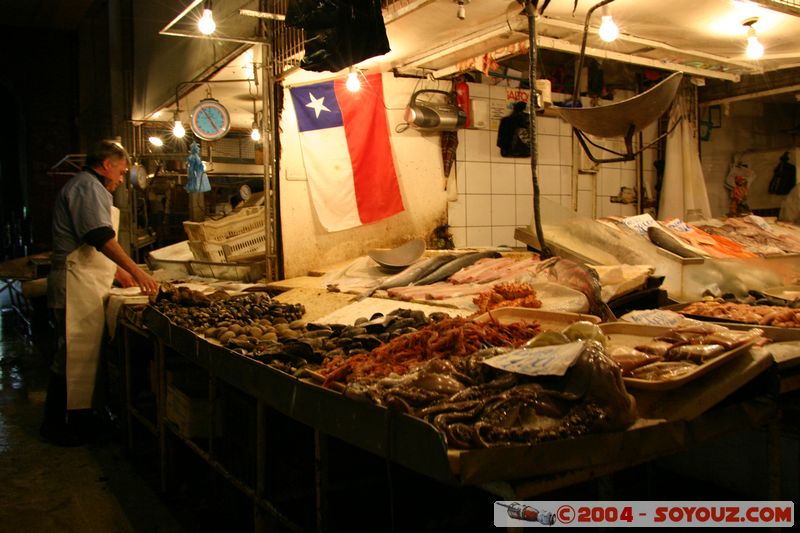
point(246, 246)
point(207, 251)
point(248, 220)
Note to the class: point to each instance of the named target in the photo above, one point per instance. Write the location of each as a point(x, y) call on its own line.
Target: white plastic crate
point(246, 246)
point(248, 220)
point(207, 251)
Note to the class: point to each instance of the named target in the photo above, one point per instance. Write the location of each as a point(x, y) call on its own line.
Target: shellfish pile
point(272, 332)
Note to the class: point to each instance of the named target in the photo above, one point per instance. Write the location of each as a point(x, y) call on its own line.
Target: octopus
point(474, 405)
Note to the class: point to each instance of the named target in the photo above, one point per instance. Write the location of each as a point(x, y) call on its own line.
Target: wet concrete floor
point(91, 488)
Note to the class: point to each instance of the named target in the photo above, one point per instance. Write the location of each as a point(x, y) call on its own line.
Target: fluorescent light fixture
point(353, 84)
point(155, 141)
point(608, 28)
point(206, 24)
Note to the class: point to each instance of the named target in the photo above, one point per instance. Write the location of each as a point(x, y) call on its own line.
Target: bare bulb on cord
point(353, 84)
point(178, 130)
point(206, 24)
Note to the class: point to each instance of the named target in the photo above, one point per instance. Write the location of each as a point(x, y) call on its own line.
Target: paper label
point(640, 223)
point(678, 225)
point(654, 317)
point(540, 361)
point(758, 221)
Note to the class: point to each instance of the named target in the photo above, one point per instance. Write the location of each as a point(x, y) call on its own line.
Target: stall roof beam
point(172, 30)
point(566, 46)
point(746, 65)
point(752, 96)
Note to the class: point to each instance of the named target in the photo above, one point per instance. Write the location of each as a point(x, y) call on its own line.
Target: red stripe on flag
point(367, 133)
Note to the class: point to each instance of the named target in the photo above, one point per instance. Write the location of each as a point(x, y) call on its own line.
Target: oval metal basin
point(615, 120)
point(399, 257)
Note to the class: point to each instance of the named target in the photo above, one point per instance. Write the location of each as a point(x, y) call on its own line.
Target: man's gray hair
point(103, 150)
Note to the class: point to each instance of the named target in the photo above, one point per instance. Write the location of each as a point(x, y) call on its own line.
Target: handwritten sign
point(541, 361)
point(655, 317)
point(760, 222)
point(678, 225)
point(640, 223)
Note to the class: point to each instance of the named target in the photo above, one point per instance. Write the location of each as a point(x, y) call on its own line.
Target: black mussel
point(352, 331)
point(369, 342)
point(298, 349)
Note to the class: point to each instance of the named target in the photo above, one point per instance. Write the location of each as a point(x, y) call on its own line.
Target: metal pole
point(268, 134)
point(530, 12)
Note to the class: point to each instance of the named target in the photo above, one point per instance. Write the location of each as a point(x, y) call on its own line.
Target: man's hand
point(145, 282)
point(124, 279)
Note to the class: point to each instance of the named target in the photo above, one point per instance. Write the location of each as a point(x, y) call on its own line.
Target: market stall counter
point(668, 421)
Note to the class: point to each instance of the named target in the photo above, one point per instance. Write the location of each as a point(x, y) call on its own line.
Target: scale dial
point(245, 192)
point(210, 120)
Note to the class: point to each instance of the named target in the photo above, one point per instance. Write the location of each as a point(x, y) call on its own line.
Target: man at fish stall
point(86, 259)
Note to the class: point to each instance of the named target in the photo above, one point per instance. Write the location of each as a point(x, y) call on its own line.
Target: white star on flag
point(318, 105)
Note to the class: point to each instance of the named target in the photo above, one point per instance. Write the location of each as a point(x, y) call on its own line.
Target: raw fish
point(695, 352)
point(453, 266)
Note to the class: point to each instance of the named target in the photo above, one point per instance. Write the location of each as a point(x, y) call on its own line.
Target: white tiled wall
point(496, 193)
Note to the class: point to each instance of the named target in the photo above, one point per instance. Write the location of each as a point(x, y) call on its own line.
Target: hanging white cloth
point(683, 187)
point(89, 278)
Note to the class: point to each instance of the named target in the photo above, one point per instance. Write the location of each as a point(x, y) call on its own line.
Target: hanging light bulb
point(178, 130)
point(206, 24)
point(462, 11)
point(754, 48)
point(255, 133)
point(608, 28)
point(353, 84)
point(155, 141)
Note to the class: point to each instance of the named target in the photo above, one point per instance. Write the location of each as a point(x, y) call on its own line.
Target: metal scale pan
point(629, 116)
point(622, 119)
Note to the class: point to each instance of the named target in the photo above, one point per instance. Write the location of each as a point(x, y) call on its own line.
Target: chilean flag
point(344, 137)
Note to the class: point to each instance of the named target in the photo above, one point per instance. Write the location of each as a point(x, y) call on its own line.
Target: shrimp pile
point(446, 339)
point(507, 295)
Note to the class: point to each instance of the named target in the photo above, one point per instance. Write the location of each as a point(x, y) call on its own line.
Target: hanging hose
point(530, 12)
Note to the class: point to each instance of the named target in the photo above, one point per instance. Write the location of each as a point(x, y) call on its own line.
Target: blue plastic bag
point(197, 180)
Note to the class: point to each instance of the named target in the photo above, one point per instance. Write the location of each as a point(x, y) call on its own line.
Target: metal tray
point(787, 293)
point(773, 333)
point(629, 334)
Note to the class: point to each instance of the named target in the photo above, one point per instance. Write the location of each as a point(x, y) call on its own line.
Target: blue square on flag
point(316, 107)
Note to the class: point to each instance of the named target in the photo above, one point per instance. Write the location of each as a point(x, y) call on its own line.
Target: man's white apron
point(89, 278)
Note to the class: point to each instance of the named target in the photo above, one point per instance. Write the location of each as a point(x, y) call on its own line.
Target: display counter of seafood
point(732, 255)
point(430, 392)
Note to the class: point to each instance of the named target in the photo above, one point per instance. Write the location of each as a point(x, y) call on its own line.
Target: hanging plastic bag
point(338, 33)
point(197, 180)
point(739, 169)
point(783, 177)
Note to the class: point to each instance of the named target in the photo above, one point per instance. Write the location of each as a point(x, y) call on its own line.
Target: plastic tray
point(629, 334)
point(788, 293)
point(548, 320)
